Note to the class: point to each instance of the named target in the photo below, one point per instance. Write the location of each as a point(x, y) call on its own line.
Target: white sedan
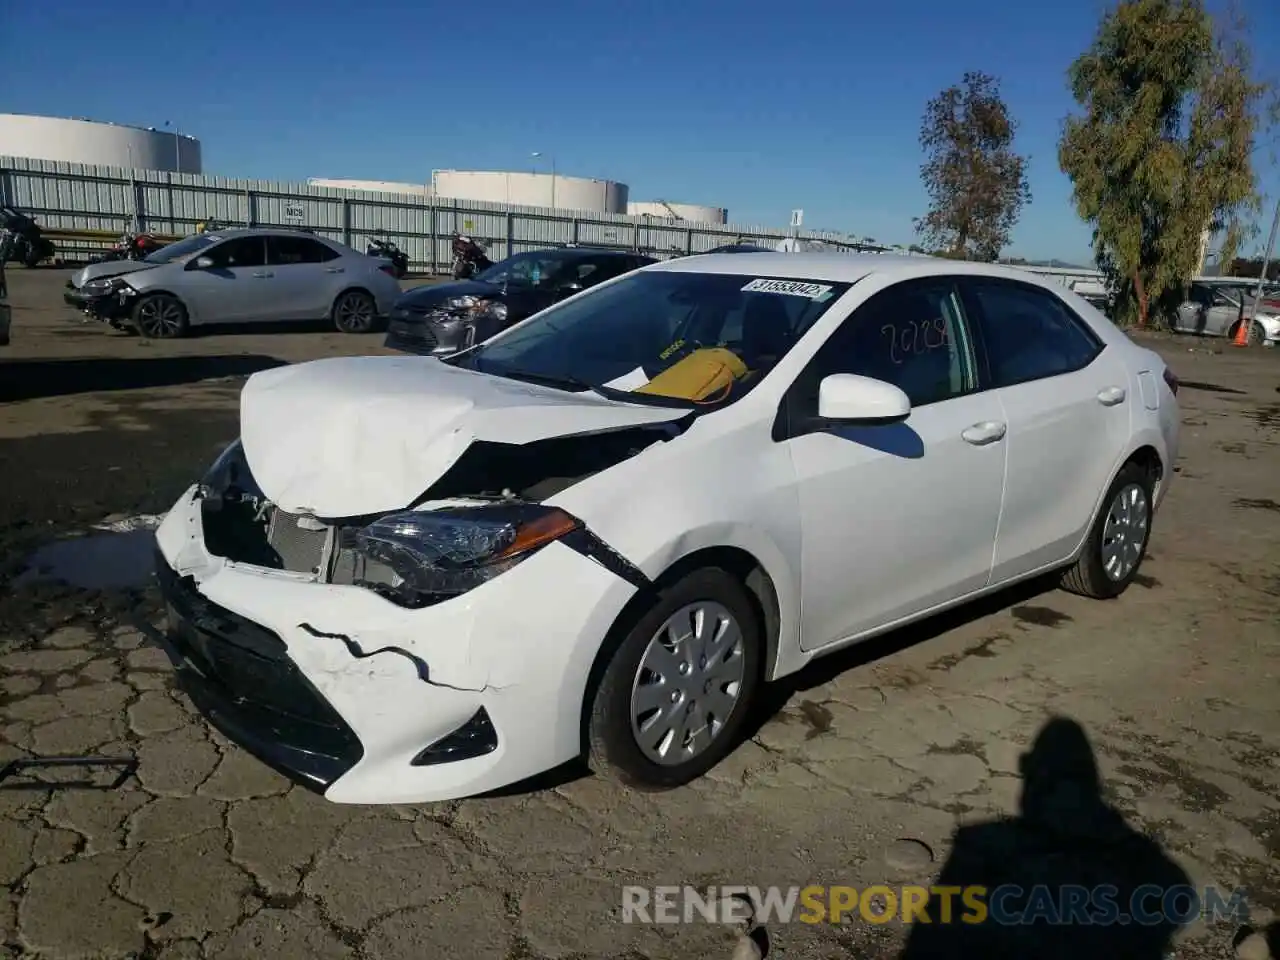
point(599, 533)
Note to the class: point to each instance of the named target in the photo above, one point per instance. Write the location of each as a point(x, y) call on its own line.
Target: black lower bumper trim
point(105, 306)
point(240, 676)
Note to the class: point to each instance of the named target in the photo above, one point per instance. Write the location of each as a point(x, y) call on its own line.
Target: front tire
point(355, 312)
point(160, 316)
point(1257, 334)
point(1118, 541)
point(677, 690)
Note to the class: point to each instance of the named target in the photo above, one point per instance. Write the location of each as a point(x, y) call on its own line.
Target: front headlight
point(105, 285)
point(496, 310)
point(460, 303)
point(441, 553)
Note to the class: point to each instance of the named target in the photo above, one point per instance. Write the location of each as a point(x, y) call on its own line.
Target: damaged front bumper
point(113, 306)
point(370, 702)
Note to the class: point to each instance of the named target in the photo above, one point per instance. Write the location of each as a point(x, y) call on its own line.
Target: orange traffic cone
point(1242, 333)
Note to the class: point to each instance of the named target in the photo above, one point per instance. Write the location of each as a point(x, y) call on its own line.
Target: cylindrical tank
point(693, 212)
point(532, 190)
point(92, 142)
point(374, 186)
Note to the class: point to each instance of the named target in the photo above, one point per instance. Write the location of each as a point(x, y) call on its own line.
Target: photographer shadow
point(1071, 870)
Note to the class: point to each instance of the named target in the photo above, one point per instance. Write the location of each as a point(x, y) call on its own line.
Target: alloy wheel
point(354, 313)
point(160, 317)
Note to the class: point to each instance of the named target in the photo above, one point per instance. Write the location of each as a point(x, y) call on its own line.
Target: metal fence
point(74, 196)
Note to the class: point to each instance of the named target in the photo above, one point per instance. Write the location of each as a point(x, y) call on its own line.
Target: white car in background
point(238, 276)
point(600, 532)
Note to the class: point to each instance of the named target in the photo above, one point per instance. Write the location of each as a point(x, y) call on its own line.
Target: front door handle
point(1111, 396)
point(262, 276)
point(980, 434)
point(335, 269)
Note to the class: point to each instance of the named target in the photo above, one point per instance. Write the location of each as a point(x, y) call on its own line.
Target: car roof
point(268, 232)
point(839, 267)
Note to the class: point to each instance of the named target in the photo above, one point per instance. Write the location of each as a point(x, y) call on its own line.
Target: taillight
point(1171, 380)
point(389, 270)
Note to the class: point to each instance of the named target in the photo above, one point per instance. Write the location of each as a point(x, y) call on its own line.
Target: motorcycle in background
point(389, 251)
point(469, 257)
point(130, 246)
point(27, 243)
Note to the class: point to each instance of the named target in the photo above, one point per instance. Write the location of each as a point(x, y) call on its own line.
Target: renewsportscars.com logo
point(1102, 905)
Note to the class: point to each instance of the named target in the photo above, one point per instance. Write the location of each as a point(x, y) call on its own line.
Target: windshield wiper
point(572, 384)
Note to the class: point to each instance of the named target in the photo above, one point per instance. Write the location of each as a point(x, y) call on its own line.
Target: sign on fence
point(294, 211)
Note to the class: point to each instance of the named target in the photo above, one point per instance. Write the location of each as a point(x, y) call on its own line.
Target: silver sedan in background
point(238, 276)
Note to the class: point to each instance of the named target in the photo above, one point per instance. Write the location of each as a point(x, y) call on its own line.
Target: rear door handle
point(262, 276)
point(980, 434)
point(1111, 396)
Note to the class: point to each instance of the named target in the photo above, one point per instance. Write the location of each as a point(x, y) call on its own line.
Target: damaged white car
point(599, 533)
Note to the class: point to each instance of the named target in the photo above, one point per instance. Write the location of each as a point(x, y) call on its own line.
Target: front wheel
point(676, 692)
point(160, 316)
point(355, 312)
point(1118, 541)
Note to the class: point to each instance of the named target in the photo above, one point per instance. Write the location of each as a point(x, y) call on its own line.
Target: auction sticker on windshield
point(793, 288)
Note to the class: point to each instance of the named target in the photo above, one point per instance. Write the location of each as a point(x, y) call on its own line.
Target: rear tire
point(355, 312)
point(649, 685)
point(160, 316)
point(1118, 541)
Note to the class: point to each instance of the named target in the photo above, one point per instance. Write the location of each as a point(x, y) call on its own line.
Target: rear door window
point(283, 251)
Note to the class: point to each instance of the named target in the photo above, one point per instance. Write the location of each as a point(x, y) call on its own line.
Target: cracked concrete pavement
point(204, 853)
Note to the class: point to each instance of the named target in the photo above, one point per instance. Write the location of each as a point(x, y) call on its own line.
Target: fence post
point(346, 221)
point(250, 215)
point(688, 241)
point(431, 230)
point(511, 231)
point(574, 235)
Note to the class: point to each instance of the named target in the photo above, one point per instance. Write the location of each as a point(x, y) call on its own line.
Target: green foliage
point(1163, 149)
point(977, 185)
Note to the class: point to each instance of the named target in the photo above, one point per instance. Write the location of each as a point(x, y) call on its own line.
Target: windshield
point(538, 269)
point(182, 248)
point(665, 337)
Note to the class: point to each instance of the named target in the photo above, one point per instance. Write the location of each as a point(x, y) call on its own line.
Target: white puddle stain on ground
point(117, 554)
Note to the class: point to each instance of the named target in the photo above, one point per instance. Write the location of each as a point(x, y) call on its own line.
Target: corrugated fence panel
point(74, 196)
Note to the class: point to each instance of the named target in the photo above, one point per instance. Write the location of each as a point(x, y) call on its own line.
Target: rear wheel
point(1118, 541)
point(355, 312)
point(160, 316)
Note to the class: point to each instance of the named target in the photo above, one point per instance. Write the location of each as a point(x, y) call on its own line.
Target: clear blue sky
point(759, 107)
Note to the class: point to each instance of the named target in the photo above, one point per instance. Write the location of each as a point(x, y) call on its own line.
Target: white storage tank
point(373, 186)
point(93, 142)
point(531, 190)
point(693, 212)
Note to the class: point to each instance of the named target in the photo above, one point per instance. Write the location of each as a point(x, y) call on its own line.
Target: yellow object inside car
point(704, 374)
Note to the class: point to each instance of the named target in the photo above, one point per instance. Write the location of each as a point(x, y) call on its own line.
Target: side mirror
point(847, 398)
point(204, 263)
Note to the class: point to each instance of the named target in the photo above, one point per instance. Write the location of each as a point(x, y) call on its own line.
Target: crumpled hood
point(112, 268)
point(358, 435)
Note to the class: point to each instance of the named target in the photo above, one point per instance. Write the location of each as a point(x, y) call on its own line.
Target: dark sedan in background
point(443, 319)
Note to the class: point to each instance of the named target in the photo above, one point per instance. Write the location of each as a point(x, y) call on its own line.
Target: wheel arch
point(1142, 452)
point(350, 288)
point(165, 292)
